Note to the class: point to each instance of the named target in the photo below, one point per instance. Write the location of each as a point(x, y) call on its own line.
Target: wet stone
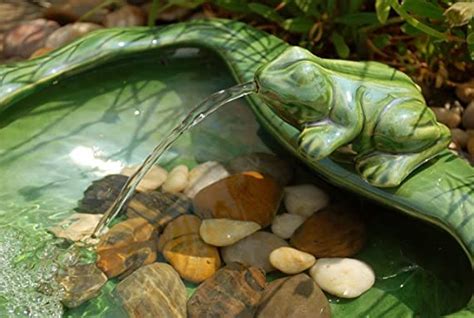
point(253, 250)
point(183, 225)
point(152, 180)
point(204, 175)
point(224, 232)
point(305, 199)
point(69, 33)
point(333, 232)
point(177, 179)
point(80, 283)
point(126, 16)
point(264, 163)
point(192, 258)
point(77, 226)
point(291, 261)
point(67, 11)
point(284, 225)
point(234, 291)
point(101, 194)
point(343, 277)
point(248, 196)
point(153, 291)
point(126, 246)
point(27, 37)
point(296, 296)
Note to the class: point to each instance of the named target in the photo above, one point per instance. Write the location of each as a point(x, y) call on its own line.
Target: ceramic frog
point(377, 109)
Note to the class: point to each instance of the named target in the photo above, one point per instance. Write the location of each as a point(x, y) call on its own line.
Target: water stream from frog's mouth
point(194, 117)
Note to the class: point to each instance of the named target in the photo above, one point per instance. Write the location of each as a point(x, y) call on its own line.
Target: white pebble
point(152, 180)
point(203, 175)
point(225, 232)
point(343, 277)
point(305, 199)
point(290, 260)
point(284, 225)
point(177, 179)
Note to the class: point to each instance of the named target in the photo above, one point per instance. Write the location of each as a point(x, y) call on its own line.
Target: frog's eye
point(304, 73)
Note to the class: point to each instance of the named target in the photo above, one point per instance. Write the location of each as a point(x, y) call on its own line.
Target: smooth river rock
point(101, 194)
point(224, 232)
point(253, 250)
point(305, 199)
point(293, 297)
point(69, 33)
point(284, 225)
point(468, 116)
point(76, 227)
point(183, 225)
point(333, 232)
point(177, 179)
point(290, 260)
point(234, 291)
point(126, 16)
point(204, 175)
point(343, 277)
point(153, 291)
point(80, 283)
point(192, 258)
point(264, 163)
point(152, 180)
point(247, 196)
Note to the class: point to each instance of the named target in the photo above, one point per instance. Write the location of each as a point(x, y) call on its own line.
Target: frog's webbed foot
point(389, 170)
point(318, 142)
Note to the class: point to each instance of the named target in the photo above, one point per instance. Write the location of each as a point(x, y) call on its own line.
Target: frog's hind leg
point(405, 137)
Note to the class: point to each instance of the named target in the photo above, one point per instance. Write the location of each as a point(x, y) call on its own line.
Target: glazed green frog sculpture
point(384, 116)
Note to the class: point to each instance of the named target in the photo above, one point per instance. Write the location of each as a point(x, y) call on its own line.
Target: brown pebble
point(40, 52)
point(459, 137)
point(447, 117)
point(183, 225)
point(69, 33)
point(468, 117)
point(470, 145)
point(335, 231)
point(67, 11)
point(234, 291)
point(126, 16)
point(295, 296)
point(248, 196)
point(465, 91)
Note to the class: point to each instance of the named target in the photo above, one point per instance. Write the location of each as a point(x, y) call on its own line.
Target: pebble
point(69, 33)
point(203, 175)
point(76, 227)
point(293, 297)
point(468, 116)
point(152, 180)
point(234, 291)
point(284, 225)
point(343, 277)
point(177, 179)
point(80, 283)
point(101, 194)
point(67, 11)
point(470, 145)
point(290, 260)
point(25, 38)
point(126, 16)
point(264, 163)
point(247, 196)
point(253, 250)
point(40, 52)
point(192, 258)
point(459, 137)
point(224, 232)
point(183, 225)
point(171, 14)
point(465, 91)
point(450, 118)
point(153, 291)
point(305, 199)
point(126, 246)
point(332, 232)
point(158, 208)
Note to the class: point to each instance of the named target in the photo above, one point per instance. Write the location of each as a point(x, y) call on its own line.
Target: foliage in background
point(431, 40)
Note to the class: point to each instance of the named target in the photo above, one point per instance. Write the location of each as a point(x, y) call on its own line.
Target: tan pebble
point(126, 16)
point(465, 91)
point(192, 258)
point(343, 277)
point(224, 232)
point(77, 226)
point(447, 117)
point(284, 225)
point(69, 33)
point(305, 199)
point(203, 175)
point(40, 52)
point(182, 225)
point(152, 180)
point(290, 260)
point(177, 179)
point(459, 137)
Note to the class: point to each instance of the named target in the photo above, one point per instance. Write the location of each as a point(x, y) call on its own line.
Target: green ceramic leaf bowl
point(104, 101)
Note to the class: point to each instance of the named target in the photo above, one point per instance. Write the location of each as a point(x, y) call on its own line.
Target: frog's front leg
point(319, 141)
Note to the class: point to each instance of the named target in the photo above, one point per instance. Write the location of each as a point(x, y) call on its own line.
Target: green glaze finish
point(382, 114)
point(71, 130)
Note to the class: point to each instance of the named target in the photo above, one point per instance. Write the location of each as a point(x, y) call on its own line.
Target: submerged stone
point(224, 232)
point(291, 261)
point(151, 181)
point(177, 180)
point(101, 194)
point(183, 225)
point(305, 199)
point(234, 291)
point(204, 175)
point(153, 291)
point(76, 227)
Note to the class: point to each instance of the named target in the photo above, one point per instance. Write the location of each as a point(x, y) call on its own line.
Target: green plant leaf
point(382, 7)
point(423, 8)
point(340, 45)
point(237, 6)
point(460, 13)
point(265, 11)
point(298, 25)
point(309, 7)
point(358, 19)
point(381, 40)
point(190, 4)
point(470, 39)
